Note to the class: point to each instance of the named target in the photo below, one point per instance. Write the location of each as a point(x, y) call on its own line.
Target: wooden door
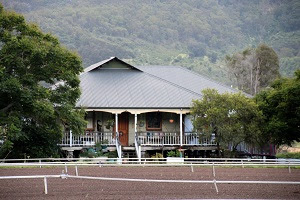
point(123, 128)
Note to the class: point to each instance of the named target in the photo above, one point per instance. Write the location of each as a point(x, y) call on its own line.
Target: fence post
point(66, 168)
point(243, 164)
point(215, 183)
point(46, 186)
point(289, 167)
point(40, 161)
point(213, 168)
point(76, 170)
point(192, 168)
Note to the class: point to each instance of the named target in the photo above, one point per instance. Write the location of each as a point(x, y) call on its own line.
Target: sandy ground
point(98, 189)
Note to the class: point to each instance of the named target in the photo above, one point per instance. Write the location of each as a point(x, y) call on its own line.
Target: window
point(154, 121)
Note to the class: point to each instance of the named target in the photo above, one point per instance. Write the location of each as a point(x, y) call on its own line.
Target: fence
point(101, 163)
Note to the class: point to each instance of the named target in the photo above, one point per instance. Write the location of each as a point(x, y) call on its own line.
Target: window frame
point(147, 121)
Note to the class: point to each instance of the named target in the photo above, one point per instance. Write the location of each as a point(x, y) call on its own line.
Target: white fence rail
point(65, 175)
point(103, 161)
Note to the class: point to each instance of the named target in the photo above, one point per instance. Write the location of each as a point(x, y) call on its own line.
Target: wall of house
point(99, 122)
point(166, 125)
point(141, 124)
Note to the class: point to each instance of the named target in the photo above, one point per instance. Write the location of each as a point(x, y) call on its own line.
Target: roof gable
point(111, 63)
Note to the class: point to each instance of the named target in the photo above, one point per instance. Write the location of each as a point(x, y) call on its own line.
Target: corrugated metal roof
point(121, 88)
point(147, 87)
point(185, 78)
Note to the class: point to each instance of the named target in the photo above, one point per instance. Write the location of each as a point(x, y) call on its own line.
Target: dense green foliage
point(32, 114)
point(233, 118)
point(253, 69)
point(175, 153)
point(195, 34)
point(288, 155)
point(280, 105)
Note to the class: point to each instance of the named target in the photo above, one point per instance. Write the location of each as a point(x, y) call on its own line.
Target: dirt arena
point(98, 189)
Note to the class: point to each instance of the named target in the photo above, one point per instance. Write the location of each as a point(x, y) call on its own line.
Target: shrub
point(288, 155)
point(173, 153)
point(157, 155)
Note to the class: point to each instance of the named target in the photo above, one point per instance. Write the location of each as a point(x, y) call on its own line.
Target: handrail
point(118, 146)
point(137, 147)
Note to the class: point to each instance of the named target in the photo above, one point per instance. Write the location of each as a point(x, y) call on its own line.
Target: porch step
point(128, 148)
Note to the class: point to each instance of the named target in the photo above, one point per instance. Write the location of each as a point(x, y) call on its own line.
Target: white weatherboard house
point(140, 108)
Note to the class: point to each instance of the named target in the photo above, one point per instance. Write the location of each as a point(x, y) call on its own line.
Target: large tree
point(39, 86)
point(233, 118)
point(253, 69)
point(280, 105)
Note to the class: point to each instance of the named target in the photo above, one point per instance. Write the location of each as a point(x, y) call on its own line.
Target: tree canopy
point(233, 118)
point(253, 69)
point(39, 87)
point(280, 105)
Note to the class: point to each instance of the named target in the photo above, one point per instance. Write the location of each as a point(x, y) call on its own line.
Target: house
point(142, 109)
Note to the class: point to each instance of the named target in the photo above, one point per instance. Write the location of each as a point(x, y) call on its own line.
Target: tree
point(233, 118)
point(280, 105)
point(253, 69)
point(33, 114)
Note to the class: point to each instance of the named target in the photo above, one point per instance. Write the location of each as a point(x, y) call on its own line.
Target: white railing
point(173, 138)
point(192, 138)
point(88, 139)
point(151, 162)
point(158, 138)
point(65, 175)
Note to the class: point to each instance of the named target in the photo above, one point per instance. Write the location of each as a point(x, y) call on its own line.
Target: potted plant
point(104, 144)
point(174, 157)
point(141, 123)
point(109, 123)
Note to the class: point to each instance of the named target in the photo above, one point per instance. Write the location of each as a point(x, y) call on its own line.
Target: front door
point(123, 120)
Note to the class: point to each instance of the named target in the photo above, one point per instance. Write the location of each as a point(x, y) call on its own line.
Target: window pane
point(154, 121)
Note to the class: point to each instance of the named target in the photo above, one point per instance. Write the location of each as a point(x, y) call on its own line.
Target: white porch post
point(135, 123)
point(116, 119)
point(71, 138)
point(181, 134)
point(118, 146)
point(138, 148)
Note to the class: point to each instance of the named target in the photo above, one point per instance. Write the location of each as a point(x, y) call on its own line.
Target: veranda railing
point(173, 138)
point(88, 139)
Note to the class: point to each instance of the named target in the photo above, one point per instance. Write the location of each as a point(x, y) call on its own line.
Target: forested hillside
point(194, 34)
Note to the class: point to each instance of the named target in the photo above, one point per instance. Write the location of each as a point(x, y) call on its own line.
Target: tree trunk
point(257, 77)
point(251, 80)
